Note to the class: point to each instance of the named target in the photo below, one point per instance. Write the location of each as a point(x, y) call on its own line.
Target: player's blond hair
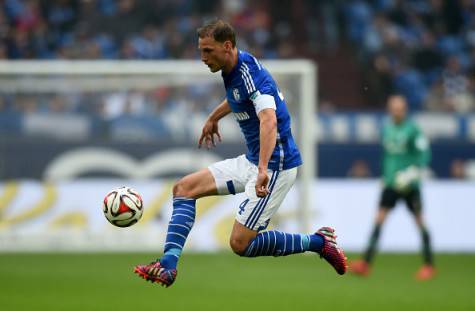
point(219, 30)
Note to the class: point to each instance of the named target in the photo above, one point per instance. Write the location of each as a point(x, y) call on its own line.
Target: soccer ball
point(123, 207)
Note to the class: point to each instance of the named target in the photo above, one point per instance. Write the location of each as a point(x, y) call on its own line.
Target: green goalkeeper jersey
point(404, 146)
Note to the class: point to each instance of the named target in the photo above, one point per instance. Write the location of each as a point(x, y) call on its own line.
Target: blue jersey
point(250, 88)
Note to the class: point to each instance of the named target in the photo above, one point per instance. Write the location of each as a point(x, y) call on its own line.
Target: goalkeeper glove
point(406, 177)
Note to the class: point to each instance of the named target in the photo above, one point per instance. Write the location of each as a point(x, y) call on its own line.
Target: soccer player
point(265, 174)
point(406, 153)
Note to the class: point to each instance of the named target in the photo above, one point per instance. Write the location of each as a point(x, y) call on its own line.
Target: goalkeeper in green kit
point(406, 153)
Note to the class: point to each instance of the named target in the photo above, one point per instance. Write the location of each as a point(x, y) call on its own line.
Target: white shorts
point(239, 175)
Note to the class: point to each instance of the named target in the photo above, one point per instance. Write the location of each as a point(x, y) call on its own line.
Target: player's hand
point(261, 184)
point(210, 129)
point(406, 177)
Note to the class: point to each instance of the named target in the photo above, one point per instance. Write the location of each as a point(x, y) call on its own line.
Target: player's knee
point(381, 216)
point(419, 221)
point(182, 189)
point(238, 246)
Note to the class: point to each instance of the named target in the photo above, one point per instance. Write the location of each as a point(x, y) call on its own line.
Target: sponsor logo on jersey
point(241, 116)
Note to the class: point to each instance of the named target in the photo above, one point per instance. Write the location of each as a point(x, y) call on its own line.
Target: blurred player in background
point(265, 174)
point(406, 154)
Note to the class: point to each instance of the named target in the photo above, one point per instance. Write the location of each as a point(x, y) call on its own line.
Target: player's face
point(213, 53)
point(397, 108)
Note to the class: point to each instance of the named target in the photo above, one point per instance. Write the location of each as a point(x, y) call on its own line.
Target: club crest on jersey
point(236, 94)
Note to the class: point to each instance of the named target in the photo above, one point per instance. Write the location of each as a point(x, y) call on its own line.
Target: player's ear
point(228, 46)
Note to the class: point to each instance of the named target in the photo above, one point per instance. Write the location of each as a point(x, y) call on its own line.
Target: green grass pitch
point(227, 282)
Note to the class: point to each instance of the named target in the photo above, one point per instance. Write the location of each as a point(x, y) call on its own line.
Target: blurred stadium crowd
point(424, 49)
point(365, 49)
point(130, 29)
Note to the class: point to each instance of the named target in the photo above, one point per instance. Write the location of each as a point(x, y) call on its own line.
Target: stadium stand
point(366, 50)
point(423, 49)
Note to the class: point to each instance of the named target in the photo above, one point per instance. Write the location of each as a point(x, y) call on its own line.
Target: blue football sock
point(275, 243)
point(179, 227)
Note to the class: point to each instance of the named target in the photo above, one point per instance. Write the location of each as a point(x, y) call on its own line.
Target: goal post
point(297, 79)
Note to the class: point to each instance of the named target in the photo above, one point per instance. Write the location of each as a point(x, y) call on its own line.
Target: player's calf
point(276, 243)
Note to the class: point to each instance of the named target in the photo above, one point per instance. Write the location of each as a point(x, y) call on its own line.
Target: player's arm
point(413, 173)
point(422, 148)
point(222, 110)
point(211, 125)
point(265, 108)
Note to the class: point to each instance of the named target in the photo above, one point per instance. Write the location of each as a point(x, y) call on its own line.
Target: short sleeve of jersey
point(421, 143)
point(258, 87)
point(421, 146)
point(255, 78)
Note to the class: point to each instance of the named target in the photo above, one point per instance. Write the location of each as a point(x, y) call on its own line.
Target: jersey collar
point(235, 68)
